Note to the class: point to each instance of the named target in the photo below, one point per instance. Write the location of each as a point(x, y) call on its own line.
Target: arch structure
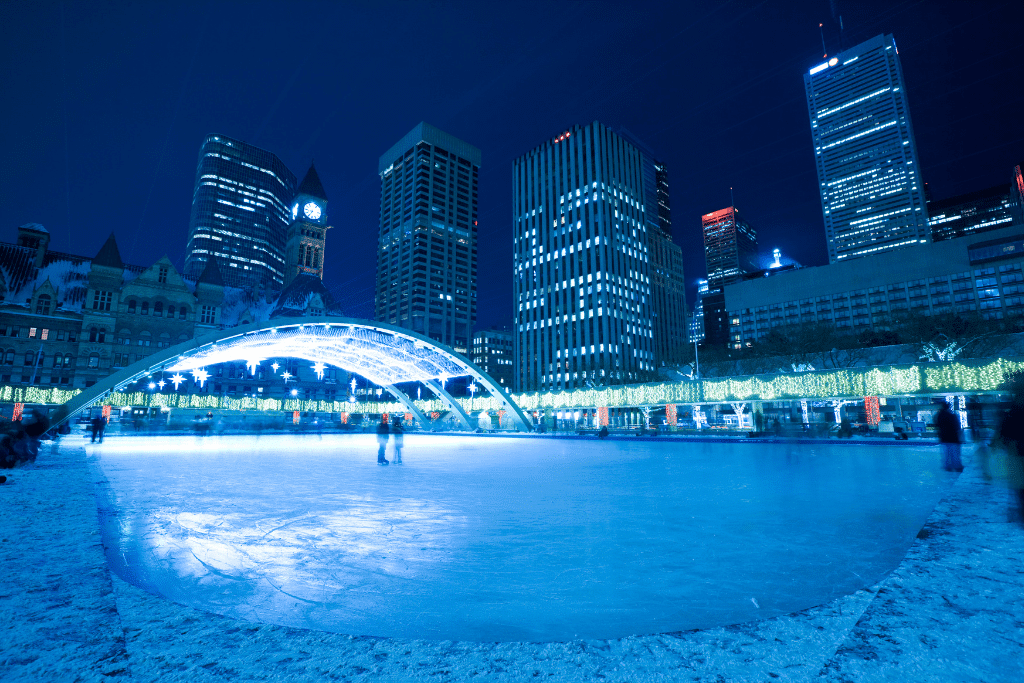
point(384, 354)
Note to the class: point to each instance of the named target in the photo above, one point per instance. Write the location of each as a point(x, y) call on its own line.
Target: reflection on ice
point(510, 538)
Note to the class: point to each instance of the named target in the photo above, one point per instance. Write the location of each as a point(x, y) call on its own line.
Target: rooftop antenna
point(821, 30)
point(732, 202)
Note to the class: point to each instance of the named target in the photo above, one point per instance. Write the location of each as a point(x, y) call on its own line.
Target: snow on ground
point(950, 611)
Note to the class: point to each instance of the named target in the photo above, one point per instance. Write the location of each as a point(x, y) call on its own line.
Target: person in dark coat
point(383, 434)
point(398, 432)
point(1011, 434)
point(948, 426)
point(97, 425)
point(603, 434)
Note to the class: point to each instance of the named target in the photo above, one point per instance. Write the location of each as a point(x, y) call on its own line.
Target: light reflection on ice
point(510, 539)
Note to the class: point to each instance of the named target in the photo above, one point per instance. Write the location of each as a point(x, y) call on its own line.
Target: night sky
point(105, 104)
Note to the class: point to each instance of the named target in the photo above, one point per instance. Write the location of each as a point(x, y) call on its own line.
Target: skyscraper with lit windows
point(581, 277)
point(426, 256)
point(241, 208)
point(869, 178)
point(730, 249)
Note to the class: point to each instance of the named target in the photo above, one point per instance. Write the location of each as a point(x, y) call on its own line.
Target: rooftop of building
point(424, 132)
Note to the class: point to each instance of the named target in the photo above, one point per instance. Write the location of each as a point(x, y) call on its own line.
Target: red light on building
point(295, 417)
point(602, 417)
point(19, 408)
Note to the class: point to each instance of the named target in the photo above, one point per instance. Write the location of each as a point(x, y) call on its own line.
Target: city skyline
point(753, 137)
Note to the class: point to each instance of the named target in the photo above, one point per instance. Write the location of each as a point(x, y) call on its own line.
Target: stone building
point(68, 321)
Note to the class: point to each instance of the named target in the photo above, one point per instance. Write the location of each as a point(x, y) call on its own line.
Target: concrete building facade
point(426, 256)
point(979, 274)
point(492, 353)
point(581, 263)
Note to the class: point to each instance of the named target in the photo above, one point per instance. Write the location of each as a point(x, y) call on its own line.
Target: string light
point(318, 368)
point(929, 378)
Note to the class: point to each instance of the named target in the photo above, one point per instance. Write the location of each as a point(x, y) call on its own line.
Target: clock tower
point(304, 250)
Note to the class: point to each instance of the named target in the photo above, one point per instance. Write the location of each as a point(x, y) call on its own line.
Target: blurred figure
point(1011, 434)
point(399, 435)
point(97, 425)
point(383, 434)
point(26, 448)
point(948, 426)
point(603, 434)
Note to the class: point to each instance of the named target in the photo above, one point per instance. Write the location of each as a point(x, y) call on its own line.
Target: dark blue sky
point(105, 105)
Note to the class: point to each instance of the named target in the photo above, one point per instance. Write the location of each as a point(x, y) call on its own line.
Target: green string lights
point(954, 377)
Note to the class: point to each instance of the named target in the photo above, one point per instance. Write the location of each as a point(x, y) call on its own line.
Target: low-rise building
point(976, 274)
point(492, 353)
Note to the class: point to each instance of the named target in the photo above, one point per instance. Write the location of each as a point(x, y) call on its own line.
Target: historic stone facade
point(95, 316)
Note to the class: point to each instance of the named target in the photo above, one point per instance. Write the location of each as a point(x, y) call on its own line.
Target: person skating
point(1011, 434)
point(399, 435)
point(948, 426)
point(383, 434)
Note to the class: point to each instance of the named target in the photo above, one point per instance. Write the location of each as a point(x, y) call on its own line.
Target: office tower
point(492, 353)
point(668, 284)
point(668, 289)
point(426, 257)
point(241, 208)
point(730, 246)
point(730, 251)
point(307, 232)
point(869, 178)
point(697, 319)
point(971, 213)
point(580, 276)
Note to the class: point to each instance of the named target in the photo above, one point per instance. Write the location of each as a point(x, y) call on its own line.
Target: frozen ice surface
point(509, 539)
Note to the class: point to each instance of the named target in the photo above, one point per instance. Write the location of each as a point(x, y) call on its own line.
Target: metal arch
point(436, 358)
point(453, 405)
point(409, 405)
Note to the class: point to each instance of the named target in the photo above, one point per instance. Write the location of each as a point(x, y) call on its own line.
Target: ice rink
point(508, 539)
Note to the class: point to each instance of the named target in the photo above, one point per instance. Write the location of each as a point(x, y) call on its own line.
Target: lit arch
point(384, 354)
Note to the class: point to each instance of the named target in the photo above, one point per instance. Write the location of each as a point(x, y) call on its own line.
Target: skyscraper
point(668, 288)
point(730, 246)
point(426, 256)
point(581, 276)
point(872, 196)
point(730, 249)
point(241, 208)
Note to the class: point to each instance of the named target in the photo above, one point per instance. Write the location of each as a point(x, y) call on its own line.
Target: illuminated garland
point(891, 381)
point(960, 377)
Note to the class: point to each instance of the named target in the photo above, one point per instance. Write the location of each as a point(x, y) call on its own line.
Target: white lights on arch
point(381, 356)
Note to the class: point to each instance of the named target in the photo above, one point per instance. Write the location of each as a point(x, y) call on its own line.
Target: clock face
point(311, 210)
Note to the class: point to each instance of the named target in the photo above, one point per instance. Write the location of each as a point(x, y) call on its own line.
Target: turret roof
point(311, 184)
point(211, 273)
point(109, 254)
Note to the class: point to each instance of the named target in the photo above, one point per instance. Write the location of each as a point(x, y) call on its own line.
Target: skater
point(97, 425)
point(383, 434)
point(603, 434)
point(948, 426)
point(399, 433)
